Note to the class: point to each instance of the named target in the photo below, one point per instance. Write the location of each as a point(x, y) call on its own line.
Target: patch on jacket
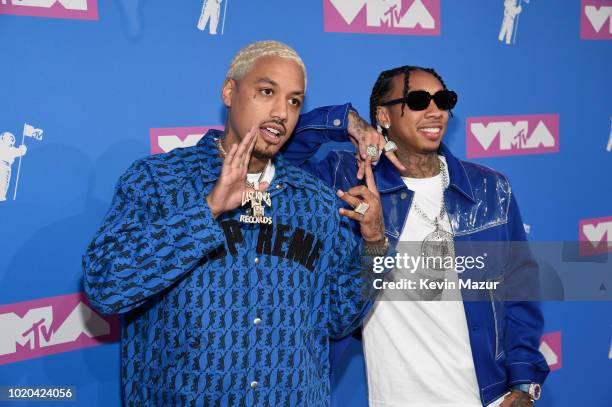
point(302, 247)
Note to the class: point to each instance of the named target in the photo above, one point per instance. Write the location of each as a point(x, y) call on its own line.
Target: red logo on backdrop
point(495, 136)
point(550, 346)
point(403, 17)
point(595, 236)
point(167, 139)
point(46, 326)
point(596, 20)
point(74, 9)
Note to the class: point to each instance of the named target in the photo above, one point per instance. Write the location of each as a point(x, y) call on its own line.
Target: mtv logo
point(73, 9)
point(47, 326)
point(400, 17)
point(596, 20)
point(167, 139)
point(595, 236)
point(550, 347)
point(496, 136)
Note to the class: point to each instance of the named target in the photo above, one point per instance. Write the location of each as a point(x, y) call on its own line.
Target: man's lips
point(269, 136)
point(272, 132)
point(431, 132)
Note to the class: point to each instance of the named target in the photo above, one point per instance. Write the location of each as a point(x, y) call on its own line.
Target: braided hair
point(382, 87)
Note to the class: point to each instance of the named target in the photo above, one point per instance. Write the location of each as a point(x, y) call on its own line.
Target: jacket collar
point(211, 163)
point(458, 177)
point(388, 178)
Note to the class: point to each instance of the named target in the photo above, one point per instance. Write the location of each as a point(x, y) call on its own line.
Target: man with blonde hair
point(231, 267)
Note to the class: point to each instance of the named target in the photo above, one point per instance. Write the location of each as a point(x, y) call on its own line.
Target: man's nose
point(279, 109)
point(433, 110)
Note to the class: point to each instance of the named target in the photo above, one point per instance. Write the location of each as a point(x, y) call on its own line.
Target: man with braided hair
point(461, 352)
point(231, 267)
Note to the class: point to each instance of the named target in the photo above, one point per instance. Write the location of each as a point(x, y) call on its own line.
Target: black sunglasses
point(420, 99)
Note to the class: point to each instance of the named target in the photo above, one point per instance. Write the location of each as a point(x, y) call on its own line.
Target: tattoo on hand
point(522, 401)
point(379, 225)
point(357, 125)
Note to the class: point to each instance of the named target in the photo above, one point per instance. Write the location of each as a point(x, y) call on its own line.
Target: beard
point(264, 151)
point(262, 154)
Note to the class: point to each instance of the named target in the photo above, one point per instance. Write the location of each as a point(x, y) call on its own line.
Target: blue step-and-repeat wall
point(88, 86)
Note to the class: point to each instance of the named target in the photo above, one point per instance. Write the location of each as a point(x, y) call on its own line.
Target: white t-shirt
point(418, 353)
point(267, 177)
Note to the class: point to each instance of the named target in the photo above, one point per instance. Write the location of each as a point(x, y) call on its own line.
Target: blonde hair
point(244, 60)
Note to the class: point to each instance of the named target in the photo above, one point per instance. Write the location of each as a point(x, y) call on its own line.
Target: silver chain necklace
point(445, 181)
point(439, 243)
point(256, 186)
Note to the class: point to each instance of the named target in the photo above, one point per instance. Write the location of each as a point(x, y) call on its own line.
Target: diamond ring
point(372, 151)
point(362, 208)
point(390, 146)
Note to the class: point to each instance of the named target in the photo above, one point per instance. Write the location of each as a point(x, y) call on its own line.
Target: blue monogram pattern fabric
point(218, 312)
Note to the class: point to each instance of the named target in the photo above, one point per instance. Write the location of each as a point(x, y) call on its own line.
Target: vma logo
point(75, 9)
point(167, 139)
point(403, 17)
point(47, 326)
point(595, 236)
point(496, 136)
point(550, 347)
point(596, 20)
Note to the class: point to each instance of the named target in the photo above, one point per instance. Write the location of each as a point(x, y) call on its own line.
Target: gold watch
point(377, 247)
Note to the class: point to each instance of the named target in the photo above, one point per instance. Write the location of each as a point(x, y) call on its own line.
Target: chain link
point(445, 183)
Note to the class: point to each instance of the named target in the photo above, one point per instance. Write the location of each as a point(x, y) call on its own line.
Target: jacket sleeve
point(351, 291)
point(523, 317)
point(315, 128)
point(144, 246)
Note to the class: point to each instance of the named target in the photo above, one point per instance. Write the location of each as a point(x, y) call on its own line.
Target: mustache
point(276, 123)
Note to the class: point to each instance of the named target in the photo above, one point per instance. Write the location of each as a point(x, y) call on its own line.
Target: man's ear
point(382, 116)
point(227, 91)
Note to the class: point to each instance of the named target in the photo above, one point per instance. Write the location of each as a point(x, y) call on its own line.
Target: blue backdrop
point(99, 85)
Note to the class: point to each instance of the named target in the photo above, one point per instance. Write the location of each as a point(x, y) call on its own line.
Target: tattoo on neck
point(419, 165)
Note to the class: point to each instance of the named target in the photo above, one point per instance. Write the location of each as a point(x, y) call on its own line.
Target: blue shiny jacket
point(218, 312)
point(504, 335)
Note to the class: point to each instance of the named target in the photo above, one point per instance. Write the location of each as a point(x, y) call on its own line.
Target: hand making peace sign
point(365, 200)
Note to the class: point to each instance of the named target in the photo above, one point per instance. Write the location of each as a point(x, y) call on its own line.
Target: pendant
point(438, 245)
point(257, 200)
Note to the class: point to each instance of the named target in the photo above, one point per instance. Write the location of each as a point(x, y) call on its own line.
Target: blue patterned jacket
point(217, 312)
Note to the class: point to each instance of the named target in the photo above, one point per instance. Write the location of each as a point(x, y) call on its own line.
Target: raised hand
point(228, 190)
point(372, 224)
point(362, 135)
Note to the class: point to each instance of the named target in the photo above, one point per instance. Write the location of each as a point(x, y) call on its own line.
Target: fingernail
point(341, 211)
point(340, 192)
